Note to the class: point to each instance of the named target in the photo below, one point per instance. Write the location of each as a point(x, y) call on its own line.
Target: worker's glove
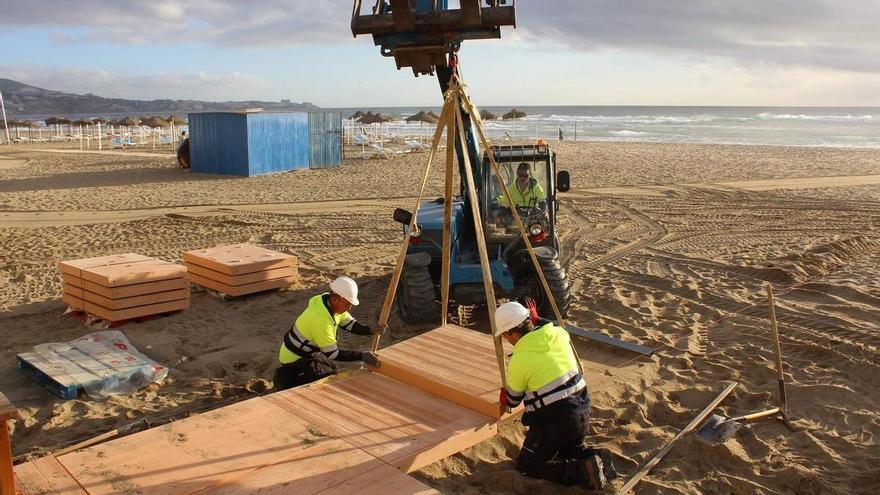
point(359, 328)
point(371, 360)
point(502, 398)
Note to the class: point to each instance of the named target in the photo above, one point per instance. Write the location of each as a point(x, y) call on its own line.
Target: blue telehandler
point(425, 35)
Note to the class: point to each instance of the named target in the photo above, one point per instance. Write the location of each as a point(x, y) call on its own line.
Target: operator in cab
point(525, 191)
point(309, 348)
point(544, 375)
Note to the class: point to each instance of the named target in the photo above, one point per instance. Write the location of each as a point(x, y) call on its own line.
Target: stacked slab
point(124, 286)
point(240, 269)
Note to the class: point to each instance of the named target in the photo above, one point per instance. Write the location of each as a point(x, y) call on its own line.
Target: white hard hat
point(346, 288)
point(509, 315)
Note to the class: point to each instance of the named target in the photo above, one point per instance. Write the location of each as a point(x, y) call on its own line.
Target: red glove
point(502, 398)
point(533, 310)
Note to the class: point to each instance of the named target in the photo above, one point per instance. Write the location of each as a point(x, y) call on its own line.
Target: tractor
point(426, 35)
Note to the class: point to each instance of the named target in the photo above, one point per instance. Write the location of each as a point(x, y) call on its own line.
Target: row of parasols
point(427, 117)
point(126, 121)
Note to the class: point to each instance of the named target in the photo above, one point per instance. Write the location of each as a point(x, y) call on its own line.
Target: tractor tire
point(557, 279)
point(416, 302)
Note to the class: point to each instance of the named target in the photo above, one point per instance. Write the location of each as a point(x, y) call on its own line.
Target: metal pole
point(5, 124)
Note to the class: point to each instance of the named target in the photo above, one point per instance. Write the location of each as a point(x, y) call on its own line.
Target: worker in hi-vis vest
point(543, 374)
point(525, 191)
point(309, 347)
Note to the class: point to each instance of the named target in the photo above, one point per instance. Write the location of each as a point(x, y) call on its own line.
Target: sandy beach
point(666, 245)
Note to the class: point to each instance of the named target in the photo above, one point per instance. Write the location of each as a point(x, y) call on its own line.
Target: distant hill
point(24, 99)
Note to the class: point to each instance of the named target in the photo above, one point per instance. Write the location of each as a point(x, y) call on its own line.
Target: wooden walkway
point(358, 434)
point(435, 395)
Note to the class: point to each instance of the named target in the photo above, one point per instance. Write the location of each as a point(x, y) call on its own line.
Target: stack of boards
point(124, 286)
point(240, 269)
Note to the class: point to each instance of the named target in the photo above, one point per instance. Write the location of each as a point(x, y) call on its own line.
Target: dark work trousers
point(303, 371)
point(555, 451)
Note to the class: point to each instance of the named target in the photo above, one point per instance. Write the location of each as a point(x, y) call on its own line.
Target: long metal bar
point(684, 431)
point(445, 116)
point(608, 340)
point(481, 239)
point(447, 222)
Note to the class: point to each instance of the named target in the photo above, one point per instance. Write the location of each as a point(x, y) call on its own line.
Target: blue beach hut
point(255, 143)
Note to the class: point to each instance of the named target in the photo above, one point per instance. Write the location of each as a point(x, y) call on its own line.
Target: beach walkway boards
point(354, 434)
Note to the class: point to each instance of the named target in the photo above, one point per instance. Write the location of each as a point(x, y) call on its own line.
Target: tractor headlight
point(536, 229)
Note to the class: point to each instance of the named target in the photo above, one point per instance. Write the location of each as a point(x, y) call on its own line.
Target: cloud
point(109, 84)
point(218, 22)
point(819, 33)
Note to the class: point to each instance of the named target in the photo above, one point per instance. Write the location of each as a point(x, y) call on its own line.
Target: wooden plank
point(247, 278)
point(608, 340)
point(465, 372)
point(73, 301)
point(133, 273)
point(46, 476)
point(400, 424)
point(454, 394)
point(127, 302)
point(74, 267)
point(249, 444)
point(241, 290)
point(331, 474)
point(684, 431)
point(125, 290)
point(136, 312)
point(238, 259)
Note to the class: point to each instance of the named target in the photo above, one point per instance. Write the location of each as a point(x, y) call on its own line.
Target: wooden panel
point(237, 449)
point(451, 361)
point(73, 301)
point(398, 423)
point(133, 273)
point(247, 278)
point(136, 312)
point(46, 476)
point(241, 290)
point(382, 480)
point(127, 302)
point(125, 290)
point(74, 267)
point(237, 259)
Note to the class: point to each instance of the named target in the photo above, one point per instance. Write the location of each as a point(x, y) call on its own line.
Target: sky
point(562, 52)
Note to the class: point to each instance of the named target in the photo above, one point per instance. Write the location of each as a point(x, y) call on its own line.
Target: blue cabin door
point(325, 139)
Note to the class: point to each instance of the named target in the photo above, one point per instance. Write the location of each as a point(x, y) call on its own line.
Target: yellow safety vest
point(314, 331)
point(533, 195)
point(543, 369)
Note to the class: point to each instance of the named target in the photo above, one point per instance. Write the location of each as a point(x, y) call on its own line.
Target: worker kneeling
point(544, 374)
point(309, 347)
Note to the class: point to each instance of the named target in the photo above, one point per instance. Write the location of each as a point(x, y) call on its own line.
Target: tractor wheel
point(557, 279)
point(415, 295)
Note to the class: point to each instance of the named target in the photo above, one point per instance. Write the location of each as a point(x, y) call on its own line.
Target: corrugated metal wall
point(325, 139)
point(277, 142)
point(218, 143)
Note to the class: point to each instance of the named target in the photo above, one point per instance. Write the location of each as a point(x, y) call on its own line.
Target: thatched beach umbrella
point(154, 122)
point(375, 118)
point(513, 114)
point(487, 115)
point(129, 121)
point(100, 120)
point(422, 117)
point(176, 120)
point(356, 115)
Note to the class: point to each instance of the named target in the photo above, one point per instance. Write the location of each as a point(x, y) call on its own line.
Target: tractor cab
point(529, 174)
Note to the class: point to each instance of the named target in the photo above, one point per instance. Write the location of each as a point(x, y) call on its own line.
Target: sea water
point(846, 127)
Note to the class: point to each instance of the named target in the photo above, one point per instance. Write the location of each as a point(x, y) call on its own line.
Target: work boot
point(608, 464)
point(595, 473)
